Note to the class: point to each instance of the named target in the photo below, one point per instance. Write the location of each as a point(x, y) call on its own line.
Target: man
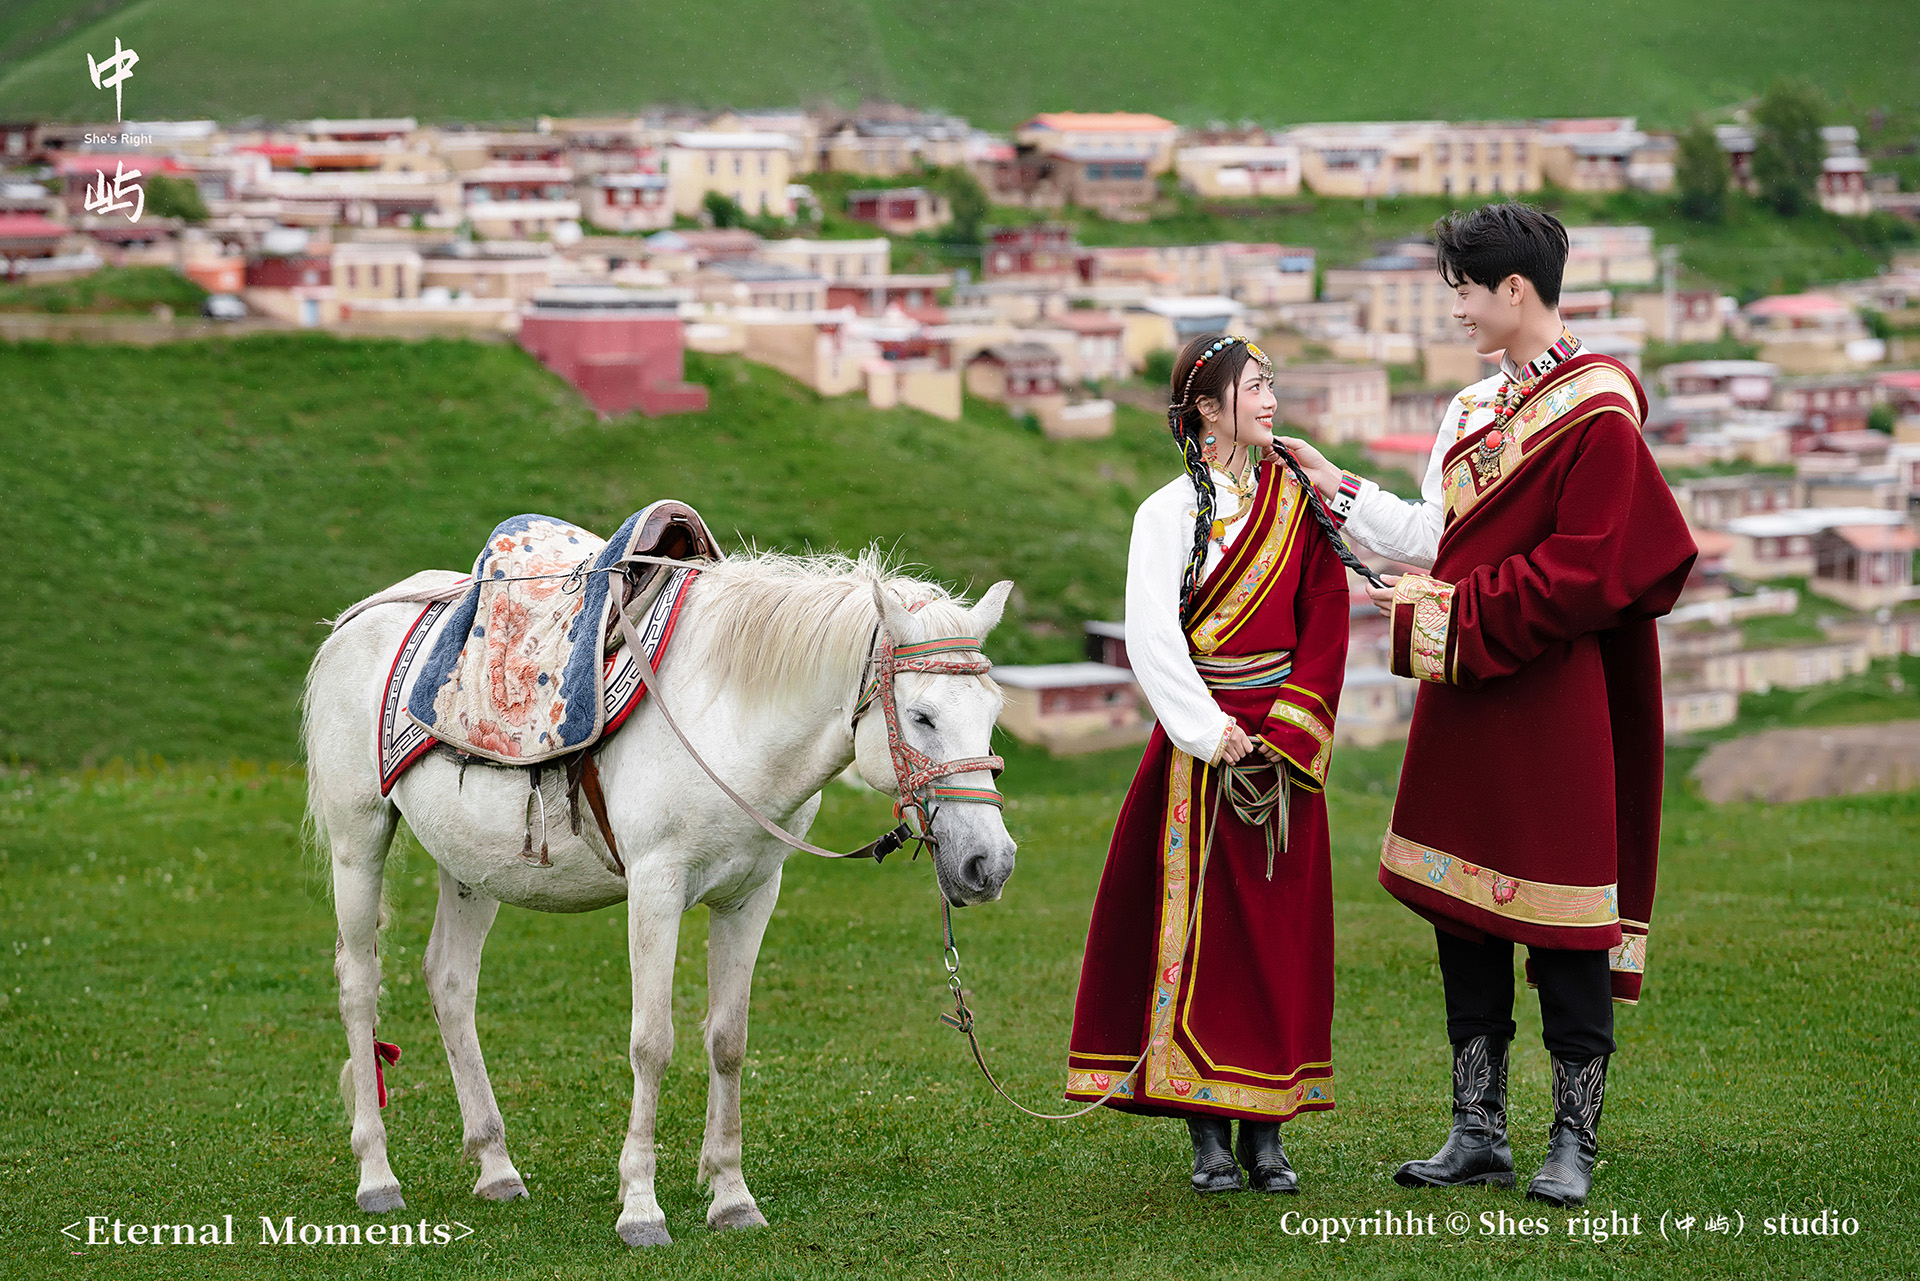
point(1529, 802)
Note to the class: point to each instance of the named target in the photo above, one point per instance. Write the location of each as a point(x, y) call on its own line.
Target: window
point(353, 277)
point(1443, 153)
point(1466, 152)
point(736, 166)
point(763, 166)
point(1493, 153)
point(1096, 172)
point(713, 164)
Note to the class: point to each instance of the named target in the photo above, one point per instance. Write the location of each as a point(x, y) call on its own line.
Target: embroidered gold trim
point(1431, 604)
point(1542, 418)
point(1306, 720)
point(1258, 578)
point(1531, 902)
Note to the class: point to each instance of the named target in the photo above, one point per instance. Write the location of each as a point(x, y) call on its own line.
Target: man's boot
point(1258, 1148)
point(1578, 1090)
point(1213, 1167)
point(1476, 1151)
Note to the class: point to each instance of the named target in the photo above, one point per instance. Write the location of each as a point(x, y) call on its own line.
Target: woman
point(1220, 1005)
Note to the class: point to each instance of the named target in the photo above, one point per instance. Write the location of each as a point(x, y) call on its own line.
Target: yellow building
point(751, 169)
point(1398, 294)
point(365, 271)
point(1124, 135)
point(1418, 158)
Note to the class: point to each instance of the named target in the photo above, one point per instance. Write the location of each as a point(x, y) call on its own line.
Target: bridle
point(914, 771)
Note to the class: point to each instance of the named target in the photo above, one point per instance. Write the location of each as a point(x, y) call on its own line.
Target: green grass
point(995, 63)
point(169, 1025)
point(198, 507)
point(133, 290)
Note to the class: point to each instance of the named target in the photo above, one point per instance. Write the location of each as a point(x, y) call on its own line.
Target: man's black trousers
point(1576, 995)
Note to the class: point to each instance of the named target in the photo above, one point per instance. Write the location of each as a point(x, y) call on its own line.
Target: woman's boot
point(1574, 1142)
point(1477, 1150)
point(1213, 1167)
point(1268, 1169)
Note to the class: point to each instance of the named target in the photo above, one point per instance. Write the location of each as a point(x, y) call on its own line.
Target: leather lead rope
point(962, 1020)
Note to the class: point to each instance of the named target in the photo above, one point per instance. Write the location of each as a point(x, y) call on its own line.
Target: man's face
point(1490, 316)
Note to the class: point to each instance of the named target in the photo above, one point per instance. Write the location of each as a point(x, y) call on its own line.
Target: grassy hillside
point(997, 63)
point(193, 509)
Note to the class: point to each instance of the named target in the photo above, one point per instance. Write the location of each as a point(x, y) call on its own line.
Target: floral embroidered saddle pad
point(527, 665)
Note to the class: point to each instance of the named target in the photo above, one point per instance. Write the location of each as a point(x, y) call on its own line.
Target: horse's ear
point(901, 624)
point(986, 614)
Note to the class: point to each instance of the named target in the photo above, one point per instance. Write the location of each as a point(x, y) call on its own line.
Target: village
point(609, 247)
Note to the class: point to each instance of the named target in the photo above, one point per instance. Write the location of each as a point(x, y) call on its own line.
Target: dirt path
point(1800, 764)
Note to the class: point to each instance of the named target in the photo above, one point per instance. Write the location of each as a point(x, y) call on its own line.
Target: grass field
point(168, 1021)
point(995, 63)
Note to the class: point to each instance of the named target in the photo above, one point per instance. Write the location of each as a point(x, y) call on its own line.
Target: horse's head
point(948, 718)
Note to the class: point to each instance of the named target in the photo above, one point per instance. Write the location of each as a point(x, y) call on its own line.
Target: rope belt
point(1257, 789)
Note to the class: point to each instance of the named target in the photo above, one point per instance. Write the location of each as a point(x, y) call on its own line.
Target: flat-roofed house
point(1126, 137)
point(1073, 707)
point(627, 201)
point(1398, 293)
point(1780, 544)
point(1240, 170)
point(1865, 566)
point(899, 211)
point(1710, 502)
point(751, 169)
point(1335, 403)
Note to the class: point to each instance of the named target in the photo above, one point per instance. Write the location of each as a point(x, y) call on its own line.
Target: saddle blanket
point(515, 670)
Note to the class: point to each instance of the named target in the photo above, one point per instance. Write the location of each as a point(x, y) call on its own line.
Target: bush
point(1701, 174)
point(1788, 149)
point(723, 210)
point(171, 197)
point(1158, 368)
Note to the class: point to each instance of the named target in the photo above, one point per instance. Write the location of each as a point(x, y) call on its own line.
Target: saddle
point(528, 665)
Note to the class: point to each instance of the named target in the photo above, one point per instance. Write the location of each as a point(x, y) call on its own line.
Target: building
point(899, 211)
point(292, 287)
point(750, 169)
point(1375, 706)
point(1746, 383)
point(1020, 375)
point(1609, 256)
point(28, 236)
point(1239, 171)
point(775, 285)
point(1099, 343)
point(1830, 403)
point(1333, 403)
point(518, 277)
point(1040, 249)
point(1418, 158)
point(1780, 544)
point(892, 142)
point(835, 260)
point(626, 201)
point(1866, 567)
point(1073, 707)
point(1398, 294)
point(366, 271)
point(1810, 333)
point(622, 349)
point(1604, 154)
point(1117, 137)
point(1710, 502)
point(1410, 451)
point(1681, 316)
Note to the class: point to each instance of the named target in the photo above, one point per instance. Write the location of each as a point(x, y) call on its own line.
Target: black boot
point(1476, 1151)
point(1213, 1167)
point(1578, 1090)
point(1259, 1150)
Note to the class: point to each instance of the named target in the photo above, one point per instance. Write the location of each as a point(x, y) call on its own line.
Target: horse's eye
point(922, 719)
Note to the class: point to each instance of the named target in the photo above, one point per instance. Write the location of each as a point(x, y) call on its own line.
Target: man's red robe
point(1248, 1008)
point(1529, 803)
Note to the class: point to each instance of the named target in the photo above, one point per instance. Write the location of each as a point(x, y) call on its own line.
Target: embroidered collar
point(1543, 364)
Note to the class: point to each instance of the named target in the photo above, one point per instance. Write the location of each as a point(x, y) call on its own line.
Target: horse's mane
point(780, 624)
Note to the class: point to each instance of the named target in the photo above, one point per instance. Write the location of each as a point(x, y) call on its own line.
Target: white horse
point(764, 675)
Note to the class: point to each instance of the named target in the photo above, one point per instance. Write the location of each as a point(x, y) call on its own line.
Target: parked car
point(225, 307)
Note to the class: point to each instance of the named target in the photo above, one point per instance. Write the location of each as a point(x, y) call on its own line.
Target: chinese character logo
point(121, 65)
point(106, 200)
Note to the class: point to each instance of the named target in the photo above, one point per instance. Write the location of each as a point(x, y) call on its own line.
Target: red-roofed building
point(78, 172)
point(29, 236)
point(1126, 135)
point(1408, 452)
point(1901, 389)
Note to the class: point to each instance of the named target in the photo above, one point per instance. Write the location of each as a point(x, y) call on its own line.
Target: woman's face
point(1246, 419)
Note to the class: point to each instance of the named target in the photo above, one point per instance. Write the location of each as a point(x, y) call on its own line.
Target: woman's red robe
point(1529, 802)
point(1249, 1007)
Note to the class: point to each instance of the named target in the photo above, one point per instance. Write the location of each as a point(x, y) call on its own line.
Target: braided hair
point(1208, 366)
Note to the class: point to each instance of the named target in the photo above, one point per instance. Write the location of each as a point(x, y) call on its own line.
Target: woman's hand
point(1324, 475)
point(1236, 743)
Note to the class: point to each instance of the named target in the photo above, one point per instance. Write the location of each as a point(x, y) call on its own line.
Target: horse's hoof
point(507, 1189)
point(380, 1200)
point(639, 1234)
point(745, 1215)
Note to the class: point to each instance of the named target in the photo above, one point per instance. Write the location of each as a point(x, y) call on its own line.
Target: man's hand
point(1324, 475)
point(1236, 744)
point(1382, 597)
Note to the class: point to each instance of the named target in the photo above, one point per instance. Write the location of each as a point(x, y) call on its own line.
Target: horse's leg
point(733, 944)
point(653, 934)
point(359, 840)
point(452, 970)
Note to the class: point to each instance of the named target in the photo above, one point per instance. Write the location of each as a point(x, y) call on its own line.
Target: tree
point(175, 198)
point(966, 198)
point(1701, 173)
point(723, 209)
point(1788, 148)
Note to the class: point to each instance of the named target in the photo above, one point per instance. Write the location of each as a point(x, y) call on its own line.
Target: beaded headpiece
point(1225, 343)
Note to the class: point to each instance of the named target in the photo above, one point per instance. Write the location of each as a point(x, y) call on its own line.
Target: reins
point(962, 1019)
